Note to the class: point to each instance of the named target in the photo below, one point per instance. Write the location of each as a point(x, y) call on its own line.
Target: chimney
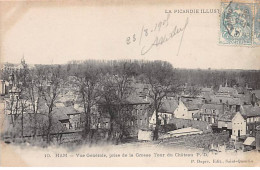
point(179, 98)
point(223, 108)
point(3, 87)
point(253, 99)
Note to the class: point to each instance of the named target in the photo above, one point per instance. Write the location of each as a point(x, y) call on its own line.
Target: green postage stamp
point(239, 23)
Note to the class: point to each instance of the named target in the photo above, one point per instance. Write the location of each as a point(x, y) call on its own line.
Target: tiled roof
point(206, 89)
point(62, 112)
point(227, 90)
point(226, 99)
point(246, 98)
point(192, 104)
point(206, 96)
point(212, 106)
point(227, 116)
point(169, 106)
point(250, 111)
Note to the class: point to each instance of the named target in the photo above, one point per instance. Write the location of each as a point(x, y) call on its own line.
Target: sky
point(56, 34)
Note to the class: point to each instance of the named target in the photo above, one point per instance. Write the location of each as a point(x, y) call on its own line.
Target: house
point(186, 110)
point(13, 102)
point(3, 87)
point(206, 93)
point(231, 103)
point(74, 118)
point(225, 121)
point(252, 114)
point(99, 119)
point(138, 105)
point(210, 112)
point(136, 110)
point(207, 90)
point(256, 97)
point(227, 91)
point(238, 126)
point(61, 116)
point(166, 113)
point(234, 122)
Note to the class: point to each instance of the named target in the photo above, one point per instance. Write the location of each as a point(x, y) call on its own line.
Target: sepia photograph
point(130, 83)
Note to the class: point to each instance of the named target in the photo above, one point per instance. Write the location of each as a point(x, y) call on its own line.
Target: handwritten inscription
point(157, 35)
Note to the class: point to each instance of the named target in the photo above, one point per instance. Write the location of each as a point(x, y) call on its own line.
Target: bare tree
point(35, 86)
point(50, 92)
point(116, 89)
point(87, 86)
point(22, 85)
point(160, 80)
point(18, 103)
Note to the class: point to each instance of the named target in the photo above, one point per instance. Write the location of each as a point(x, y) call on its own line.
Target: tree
point(18, 101)
point(50, 92)
point(116, 88)
point(35, 84)
point(87, 84)
point(22, 85)
point(160, 79)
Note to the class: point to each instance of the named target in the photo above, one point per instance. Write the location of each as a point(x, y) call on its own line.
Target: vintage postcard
point(130, 83)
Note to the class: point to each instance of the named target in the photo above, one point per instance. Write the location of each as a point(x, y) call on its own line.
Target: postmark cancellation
point(239, 23)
